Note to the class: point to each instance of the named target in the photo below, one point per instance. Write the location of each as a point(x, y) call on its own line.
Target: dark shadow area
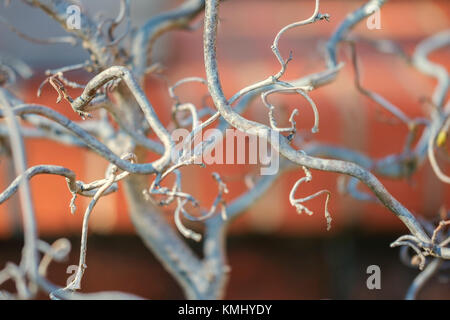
point(262, 267)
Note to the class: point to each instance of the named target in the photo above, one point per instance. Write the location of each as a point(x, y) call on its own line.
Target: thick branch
point(284, 147)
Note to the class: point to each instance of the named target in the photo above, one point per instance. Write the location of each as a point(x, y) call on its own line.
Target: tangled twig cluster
point(115, 91)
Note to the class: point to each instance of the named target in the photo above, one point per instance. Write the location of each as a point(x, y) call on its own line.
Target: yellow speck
point(441, 138)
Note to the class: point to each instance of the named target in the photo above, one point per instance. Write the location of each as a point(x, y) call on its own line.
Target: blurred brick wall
point(246, 32)
point(262, 267)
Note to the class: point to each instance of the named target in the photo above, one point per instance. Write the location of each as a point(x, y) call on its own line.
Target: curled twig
point(316, 16)
point(298, 203)
point(300, 90)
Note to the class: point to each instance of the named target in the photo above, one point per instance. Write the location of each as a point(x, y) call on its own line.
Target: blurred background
point(274, 253)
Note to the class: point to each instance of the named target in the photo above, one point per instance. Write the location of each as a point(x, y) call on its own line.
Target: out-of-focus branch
point(91, 40)
point(349, 22)
point(29, 262)
point(51, 40)
point(178, 18)
point(423, 278)
point(421, 62)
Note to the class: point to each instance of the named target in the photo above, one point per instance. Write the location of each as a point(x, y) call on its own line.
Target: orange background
point(244, 54)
